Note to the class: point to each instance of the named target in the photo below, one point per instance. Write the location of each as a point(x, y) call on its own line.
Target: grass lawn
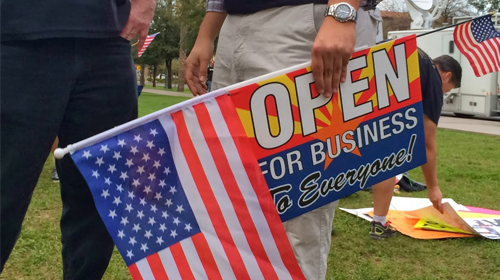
point(468, 168)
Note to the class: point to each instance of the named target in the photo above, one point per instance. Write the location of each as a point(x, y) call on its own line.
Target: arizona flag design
point(183, 197)
point(148, 41)
point(314, 150)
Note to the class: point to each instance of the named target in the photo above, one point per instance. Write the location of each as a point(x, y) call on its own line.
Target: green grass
point(468, 172)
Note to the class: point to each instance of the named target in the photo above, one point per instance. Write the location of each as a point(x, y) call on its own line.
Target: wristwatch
point(342, 12)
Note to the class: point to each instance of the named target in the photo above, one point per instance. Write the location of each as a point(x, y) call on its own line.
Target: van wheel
point(466, 116)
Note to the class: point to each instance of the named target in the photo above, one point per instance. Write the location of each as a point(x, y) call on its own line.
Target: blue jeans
point(76, 88)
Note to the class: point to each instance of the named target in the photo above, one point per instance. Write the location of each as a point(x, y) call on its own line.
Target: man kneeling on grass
point(436, 77)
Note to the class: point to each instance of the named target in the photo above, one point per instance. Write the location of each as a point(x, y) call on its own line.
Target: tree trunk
point(142, 80)
point(182, 58)
point(154, 75)
point(168, 66)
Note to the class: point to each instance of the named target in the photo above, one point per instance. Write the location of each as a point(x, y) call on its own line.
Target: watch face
point(343, 11)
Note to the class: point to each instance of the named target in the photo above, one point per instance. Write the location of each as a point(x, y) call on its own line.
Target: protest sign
point(314, 150)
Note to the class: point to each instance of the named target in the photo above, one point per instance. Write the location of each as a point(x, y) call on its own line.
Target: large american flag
point(184, 198)
point(479, 42)
point(148, 41)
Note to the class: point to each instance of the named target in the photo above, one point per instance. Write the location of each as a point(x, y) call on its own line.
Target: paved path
point(491, 127)
point(470, 125)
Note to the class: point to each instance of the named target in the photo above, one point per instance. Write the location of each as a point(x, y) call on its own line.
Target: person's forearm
point(210, 26)
point(429, 169)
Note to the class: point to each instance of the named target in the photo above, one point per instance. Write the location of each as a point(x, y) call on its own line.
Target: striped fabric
point(148, 41)
point(183, 197)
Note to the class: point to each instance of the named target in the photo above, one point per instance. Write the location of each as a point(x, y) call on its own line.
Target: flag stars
point(152, 221)
point(121, 234)
point(105, 193)
point(159, 240)
point(158, 196)
point(157, 164)
point(162, 183)
point(147, 189)
point(144, 247)
point(129, 254)
point(169, 202)
point(112, 214)
point(117, 200)
point(132, 241)
point(151, 177)
point(99, 161)
point(129, 162)
point(145, 157)
point(124, 221)
point(136, 183)
point(136, 228)
point(119, 188)
point(188, 227)
point(121, 142)
point(172, 190)
point(153, 208)
point(107, 181)
point(142, 202)
point(161, 151)
point(112, 168)
point(167, 170)
point(164, 214)
point(104, 148)
point(148, 234)
point(173, 233)
point(129, 208)
point(163, 227)
point(176, 221)
point(86, 154)
point(124, 176)
point(150, 144)
point(117, 155)
point(137, 138)
point(140, 170)
point(131, 195)
point(140, 214)
point(134, 150)
point(95, 174)
point(179, 209)
point(153, 132)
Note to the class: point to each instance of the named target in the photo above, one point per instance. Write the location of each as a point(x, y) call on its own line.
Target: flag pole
point(453, 25)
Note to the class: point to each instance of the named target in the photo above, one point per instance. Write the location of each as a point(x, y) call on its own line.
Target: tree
point(483, 6)
point(190, 14)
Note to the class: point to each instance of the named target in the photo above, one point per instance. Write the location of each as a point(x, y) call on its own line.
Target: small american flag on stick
point(148, 41)
point(479, 42)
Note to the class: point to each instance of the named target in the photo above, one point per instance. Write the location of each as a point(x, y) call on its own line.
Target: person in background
point(262, 36)
point(436, 77)
point(82, 82)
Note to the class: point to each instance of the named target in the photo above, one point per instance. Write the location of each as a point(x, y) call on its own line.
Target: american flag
point(148, 41)
point(479, 42)
point(184, 198)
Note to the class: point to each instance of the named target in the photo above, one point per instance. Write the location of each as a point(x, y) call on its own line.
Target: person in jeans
point(437, 76)
point(82, 82)
point(262, 36)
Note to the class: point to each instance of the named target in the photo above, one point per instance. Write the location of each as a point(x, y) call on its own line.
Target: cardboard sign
point(314, 150)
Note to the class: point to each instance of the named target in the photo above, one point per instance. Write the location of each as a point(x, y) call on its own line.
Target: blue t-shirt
point(432, 89)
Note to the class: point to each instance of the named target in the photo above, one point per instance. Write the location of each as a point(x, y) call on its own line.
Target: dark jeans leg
point(104, 96)
point(35, 80)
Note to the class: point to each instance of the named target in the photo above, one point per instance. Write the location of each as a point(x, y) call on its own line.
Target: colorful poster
point(314, 150)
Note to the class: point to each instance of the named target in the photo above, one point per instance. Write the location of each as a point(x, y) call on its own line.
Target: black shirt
point(41, 19)
point(432, 89)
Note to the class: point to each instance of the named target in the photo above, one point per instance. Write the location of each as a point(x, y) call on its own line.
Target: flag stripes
point(483, 55)
point(148, 41)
